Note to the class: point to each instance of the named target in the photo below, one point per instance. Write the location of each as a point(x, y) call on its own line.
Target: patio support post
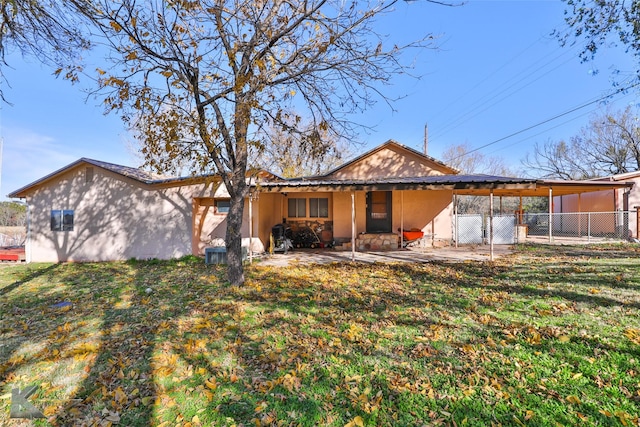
point(251, 227)
point(353, 226)
point(455, 217)
point(579, 215)
point(491, 225)
point(550, 214)
point(520, 213)
point(401, 219)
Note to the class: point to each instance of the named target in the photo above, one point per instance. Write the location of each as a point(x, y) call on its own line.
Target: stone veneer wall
point(377, 241)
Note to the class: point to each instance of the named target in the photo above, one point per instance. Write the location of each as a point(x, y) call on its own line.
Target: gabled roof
point(137, 174)
point(126, 171)
point(388, 144)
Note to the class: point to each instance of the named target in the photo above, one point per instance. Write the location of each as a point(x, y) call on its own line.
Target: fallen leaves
point(343, 344)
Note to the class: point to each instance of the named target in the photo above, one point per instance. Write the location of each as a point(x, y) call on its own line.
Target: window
point(61, 220)
point(297, 208)
point(319, 208)
point(222, 206)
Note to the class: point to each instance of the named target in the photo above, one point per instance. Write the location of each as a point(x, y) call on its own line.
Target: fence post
point(589, 227)
point(637, 208)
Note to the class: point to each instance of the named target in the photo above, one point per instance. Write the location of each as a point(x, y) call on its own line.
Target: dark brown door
point(379, 212)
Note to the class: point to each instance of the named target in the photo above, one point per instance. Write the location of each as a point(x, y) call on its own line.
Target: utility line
point(515, 84)
point(549, 120)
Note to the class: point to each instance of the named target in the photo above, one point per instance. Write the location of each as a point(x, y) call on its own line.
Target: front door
point(379, 212)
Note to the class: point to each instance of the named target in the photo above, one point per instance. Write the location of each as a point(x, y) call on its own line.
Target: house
point(97, 211)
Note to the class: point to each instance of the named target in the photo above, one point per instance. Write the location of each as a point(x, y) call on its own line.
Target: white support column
point(353, 225)
point(491, 226)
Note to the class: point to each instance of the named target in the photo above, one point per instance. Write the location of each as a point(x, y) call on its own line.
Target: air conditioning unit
point(218, 255)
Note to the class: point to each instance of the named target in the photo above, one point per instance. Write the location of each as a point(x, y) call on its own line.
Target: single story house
point(97, 211)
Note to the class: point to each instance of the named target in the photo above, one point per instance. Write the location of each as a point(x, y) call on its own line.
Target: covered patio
point(456, 185)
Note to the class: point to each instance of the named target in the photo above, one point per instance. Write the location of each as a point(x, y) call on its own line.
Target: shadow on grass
point(294, 319)
point(32, 275)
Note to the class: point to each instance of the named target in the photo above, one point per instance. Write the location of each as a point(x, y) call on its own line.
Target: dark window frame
point(318, 207)
point(224, 209)
point(62, 219)
point(300, 208)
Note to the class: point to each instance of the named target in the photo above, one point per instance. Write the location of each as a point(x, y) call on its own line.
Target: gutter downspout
point(27, 244)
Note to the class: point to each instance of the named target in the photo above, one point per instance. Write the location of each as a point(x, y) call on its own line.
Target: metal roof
point(461, 184)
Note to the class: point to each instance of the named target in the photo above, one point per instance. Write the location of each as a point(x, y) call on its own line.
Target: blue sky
point(496, 72)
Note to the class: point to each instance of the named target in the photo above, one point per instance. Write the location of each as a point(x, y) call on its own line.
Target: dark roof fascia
point(442, 182)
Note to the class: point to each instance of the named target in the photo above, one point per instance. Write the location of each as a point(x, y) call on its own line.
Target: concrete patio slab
point(325, 256)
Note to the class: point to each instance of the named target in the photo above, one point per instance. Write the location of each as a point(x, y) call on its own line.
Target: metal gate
point(467, 229)
point(474, 229)
point(504, 229)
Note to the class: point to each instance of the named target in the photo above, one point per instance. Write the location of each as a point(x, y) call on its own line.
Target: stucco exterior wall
point(210, 226)
point(114, 219)
point(597, 201)
point(429, 211)
point(389, 161)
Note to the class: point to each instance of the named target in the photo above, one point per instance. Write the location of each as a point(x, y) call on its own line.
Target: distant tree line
point(13, 214)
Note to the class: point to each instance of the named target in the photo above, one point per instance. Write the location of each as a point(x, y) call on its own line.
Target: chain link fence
point(619, 225)
point(475, 228)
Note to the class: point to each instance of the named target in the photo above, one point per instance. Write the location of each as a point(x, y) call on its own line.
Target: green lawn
point(547, 337)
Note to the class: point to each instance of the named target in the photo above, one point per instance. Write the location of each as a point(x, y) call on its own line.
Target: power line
point(550, 119)
point(514, 84)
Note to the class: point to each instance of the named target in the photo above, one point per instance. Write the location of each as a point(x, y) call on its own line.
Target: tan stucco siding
point(597, 201)
point(429, 211)
point(389, 163)
point(114, 219)
point(271, 213)
point(210, 226)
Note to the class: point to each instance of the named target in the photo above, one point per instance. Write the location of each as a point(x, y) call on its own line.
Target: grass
point(548, 336)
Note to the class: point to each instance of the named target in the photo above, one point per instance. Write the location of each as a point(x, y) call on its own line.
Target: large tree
point(608, 145)
point(49, 30)
point(602, 22)
point(201, 80)
point(290, 154)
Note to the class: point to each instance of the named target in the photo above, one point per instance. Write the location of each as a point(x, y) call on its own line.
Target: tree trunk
point(233, 241)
